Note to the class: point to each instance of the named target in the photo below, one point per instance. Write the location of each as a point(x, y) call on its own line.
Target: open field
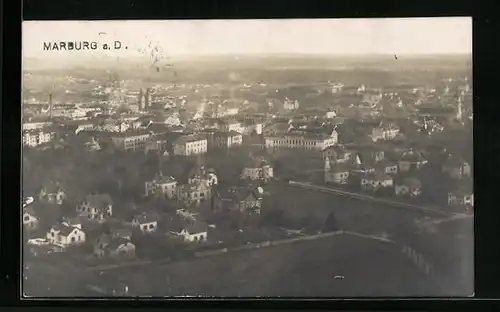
point(351, 214)
point(244, 273)
point(370, 268)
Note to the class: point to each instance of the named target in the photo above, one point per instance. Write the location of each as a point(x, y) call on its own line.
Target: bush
point(273, 217)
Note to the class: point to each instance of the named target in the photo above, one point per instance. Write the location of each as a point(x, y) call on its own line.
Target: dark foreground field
point(369, 267)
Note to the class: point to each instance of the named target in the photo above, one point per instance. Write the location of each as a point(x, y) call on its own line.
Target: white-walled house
point(162, 185)
point(461, 199)
point(97, 208)
point(336, 173)
point(456, 168)
point(195, 232)
point(30, 220)
point(66, 235)
point(146, 222)
point(462, 194)
point(114, 247)
point(257, 169)
point(193, 144)
point(388, 167)
point(376, 181)
point(52, 193)
point(228, 139)
point(411, 160)
point(408, 186)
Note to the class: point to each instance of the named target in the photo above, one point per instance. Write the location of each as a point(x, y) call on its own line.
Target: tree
point(121, 173)
point(331, 223)
point(124, 108)
point(273, 217)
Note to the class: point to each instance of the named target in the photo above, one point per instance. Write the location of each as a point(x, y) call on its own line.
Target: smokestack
point(50, 105)
point(140, 100)
point(146, 98)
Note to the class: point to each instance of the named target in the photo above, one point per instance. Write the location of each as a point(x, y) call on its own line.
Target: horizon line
point(320, 54)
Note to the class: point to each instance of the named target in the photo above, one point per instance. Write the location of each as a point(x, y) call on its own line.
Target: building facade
point(190, 145)
point(308, 142)
point(130, 141)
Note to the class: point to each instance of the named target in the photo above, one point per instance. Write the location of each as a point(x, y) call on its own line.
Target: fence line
point(201, 254)
point(417, 258)
point(313, 187)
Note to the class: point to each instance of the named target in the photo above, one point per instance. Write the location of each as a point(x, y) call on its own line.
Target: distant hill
point(275, 62)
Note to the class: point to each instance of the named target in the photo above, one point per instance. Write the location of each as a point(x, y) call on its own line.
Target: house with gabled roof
point(113, 246)
point(367, 153)
point(408, 186)
point(147, 222)
point(384, 132)
point(462, 195)
point(376, 181)
point(66, 235)
point(192, 144)
point(387, 167)
point(456, 168)
point(96, 207)
point(228, 139)
point(361, 168)
point(52, 193)
point(162, 185)
point(194, 231)
point(337, 173)
point(411, 160)
point(201, 174)
point(120, 248)
point(194, 193)
point(244, 199)
point(30, 219)
point(257, 169)
point(337, 154)
point(227, 125)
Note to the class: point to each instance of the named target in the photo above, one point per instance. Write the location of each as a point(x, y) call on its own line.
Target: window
point(145, 227)
point(151, 226)
point(26, 218)
point(202, 237)
point(73, 239)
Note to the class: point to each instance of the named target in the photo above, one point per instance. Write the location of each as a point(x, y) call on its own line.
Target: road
point(310, 186)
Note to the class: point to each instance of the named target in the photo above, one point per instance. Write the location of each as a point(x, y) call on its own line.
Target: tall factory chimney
point(141, 102)
point(50, 105)
point(146, 98)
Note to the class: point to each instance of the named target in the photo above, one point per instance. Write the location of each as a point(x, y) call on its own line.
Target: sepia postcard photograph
point(292, 158)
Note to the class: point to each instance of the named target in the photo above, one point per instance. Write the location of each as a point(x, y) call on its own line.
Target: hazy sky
point(194, 37)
